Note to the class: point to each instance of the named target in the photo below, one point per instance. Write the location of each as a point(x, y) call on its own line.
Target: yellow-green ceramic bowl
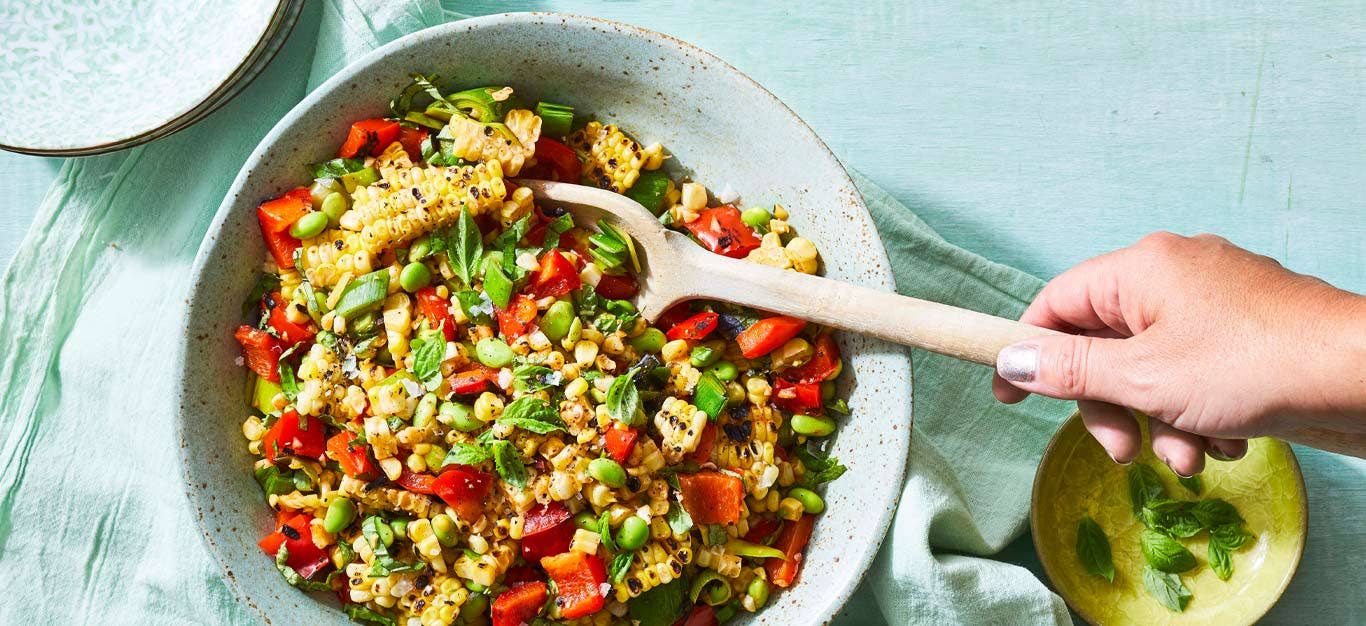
point(1076, 478)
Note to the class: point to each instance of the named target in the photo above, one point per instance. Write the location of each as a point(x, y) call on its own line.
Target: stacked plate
point(81, 78)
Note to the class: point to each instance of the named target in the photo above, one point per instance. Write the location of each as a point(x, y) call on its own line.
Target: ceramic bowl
point(721, 127)
point(1076, 478)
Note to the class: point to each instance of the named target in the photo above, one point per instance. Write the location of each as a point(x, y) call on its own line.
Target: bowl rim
point(1055, 441)
point(901, 441)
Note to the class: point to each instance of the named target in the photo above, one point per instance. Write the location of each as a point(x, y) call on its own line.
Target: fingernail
point(1168, 463)
point(1219, 454)
point(1018, 363)
point(1116, 459)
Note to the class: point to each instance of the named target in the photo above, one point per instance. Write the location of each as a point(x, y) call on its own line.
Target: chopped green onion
point(497, 285)
point(710, 395)
point(754, 550)
point(650, 190)
point(607, 242)
point(556, 119)
point(625, 239)
point(605, 259)
point(364, 294)
point(359, 178)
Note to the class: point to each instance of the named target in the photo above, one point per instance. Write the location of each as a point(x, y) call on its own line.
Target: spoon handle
point(960, 333)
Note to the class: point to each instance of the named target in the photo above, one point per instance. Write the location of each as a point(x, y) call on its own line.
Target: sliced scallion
point(364, 294)
point(556, 119)
point(625, 239)
point(604, 258)
point(650, 190)
point(497, 285)
point(607, 242)
point(710, 395)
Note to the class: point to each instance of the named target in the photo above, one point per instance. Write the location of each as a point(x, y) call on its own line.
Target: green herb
point(1229, 536)
point(1167, 588)
point(293, 577)
point(400, 107)
point(1192, 484)
point(336, 168)
point(838, 406)
point(485, 438)
point(1171, 517)
point(1215, 512)
point(362, 613)
point(384, 563)
point(348, 554)
point(620, 565)
point(288, 384)
point(1220, 561)
point(265, 283)
point(513, 235)
point(819, 469)
point(429, 348)
point(464, 247)
point(605, 531)
point(716, 535)
point(330, 340)
point(497, 285)
point(363, 294)
point(660, 606)
point(1164, 553)
point(587, 301)
point(554, 229)
point(476, 306)
point(533, 378)
point(532, 414)
point(623, 400)
point(1093, 548)
point(1143, 486)
point(273, 482)
point(556, 120)
point(466, 454)
point(508, 463)
point(677, 517)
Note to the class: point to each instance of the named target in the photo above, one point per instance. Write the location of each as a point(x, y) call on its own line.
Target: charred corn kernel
point(676, 350)
point(253, 429)
point(585, 352)
point(392, 467)
point(601, 495)
point(770, 252)
point(790, 509)
point(586, 541)
point(680, 425)
point(791, 354)
point(779, 227)
point(654, 156)
point(803, 255)
point(694, 197)
point(386, 498)
point(398, 316)
point(424, 538)
point(779, 211)
point(758, 390)
point(416, 463)
point(614, 160)
point(488, 407)
point(575, 389)
point(497, 143)
point(612, 344)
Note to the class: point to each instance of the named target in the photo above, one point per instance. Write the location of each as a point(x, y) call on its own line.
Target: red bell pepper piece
point(287, 436)
point(767, 335)
point(261, 352)
point(417, 483)
point(276, 217)
point(464, 488)
point(546, 530)
point(616, 287)
point(291, 334)
point(372, 135)
point(674, 315)
point(295, 534)
point(578, 578)
point(761, 531)
point(792, 540)
point(722, 231)
point(712, 497)
point(472, 381)
point(353, 458)
point(797, 397)
point(517, 319)
point(695, 328)
point(412, 138)
point(556, 161)
point(702, 453)
point(519, 605)
point(556, 276)
point(824, 360)
point(619, 441)
point(519, 575)
point(700, 615)
point(437, 310)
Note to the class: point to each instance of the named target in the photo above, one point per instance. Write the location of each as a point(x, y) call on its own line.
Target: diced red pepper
point(695, 328)
point(519, 605)
point(702, 453)
point(767, 335)
point(546, 530)
point(555, 161)
point(712, 497)
point(824, 360)
point(616, 287)
point(437, 310)
point(276, 217)
point(353, 458)
point(517, 319)
point(556, 276)
point(722, 231)
point(761, 531)
point(797, 397)
point(619, 441)
point(472, 381)
point(518, 575)
point(464, 488)
point(412, 138)
point(700, 615)
point(674, 315)
point(287, 436)
point(792, 540)
point(291, 334)
point(417, 483)
point(578, 578)
point(261, 352)
point(295, 534)
point(372, 135)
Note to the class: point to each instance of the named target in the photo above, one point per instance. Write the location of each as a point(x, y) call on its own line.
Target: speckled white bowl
point(721, 127)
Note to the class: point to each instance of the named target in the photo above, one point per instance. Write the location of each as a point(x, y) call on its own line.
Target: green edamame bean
point(725, 371)
point(587, 521)
point(309, 226)
point(650, 341)
point(414, 277)
point(812, 425)
point(333, 206)
point(400, 528)
point(340, 514)
point(426, 410)
point(621, 307)
point(758, 591)
point(633, 534)
point(321, 188)
point(811, 501)
point(607, 472)
point(421, 248)
point(475, 609)
point(435, 458)
point(474, 586)
point(444, 529)
point(756, 217)
point(459, 416)
point(493, 352)
point(557, 319)
point(703, 356)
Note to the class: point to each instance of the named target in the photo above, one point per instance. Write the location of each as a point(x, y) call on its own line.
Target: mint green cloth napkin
point(93, 516)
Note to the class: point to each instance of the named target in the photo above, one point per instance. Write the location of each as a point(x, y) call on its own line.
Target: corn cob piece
point(614, 159)
point(680, 424)
point(386, 498)
point(510, 143)
point(658, 563)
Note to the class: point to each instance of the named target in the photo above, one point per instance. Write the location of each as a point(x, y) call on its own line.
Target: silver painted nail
point(1018, 363)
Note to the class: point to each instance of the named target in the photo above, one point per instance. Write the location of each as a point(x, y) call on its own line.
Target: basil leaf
point(620, 565)
point(1143, 486)
point(485, 438)
point(1093, 548)
point(819, 469)
point(293, 577)
point(530, 409)
point(336, 168)
point(531, 425)
point(533, 378)
point(429, 349)
point(466, 454)
point(554, 229)
point(1167, 588)
point(465, 247)
point(362, 613)
point(274, 482)
point(605, 531)
point(513, 235)
point(1191, 484)
point(1164, 553)
point(623, 400)
point(265, 284)
point(1171, 517)
point(509, 463)
point(588, 301)
point(1215, 512)
point(1229, 536)
point(1220, 561)
point(660, 606)
point(288, 384)
point(476, 305)
point(679, 520)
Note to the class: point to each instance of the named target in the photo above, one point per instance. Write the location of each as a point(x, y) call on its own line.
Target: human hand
point(1215, 343)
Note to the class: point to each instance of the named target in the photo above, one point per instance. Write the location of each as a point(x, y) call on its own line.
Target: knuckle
point(1070, 364)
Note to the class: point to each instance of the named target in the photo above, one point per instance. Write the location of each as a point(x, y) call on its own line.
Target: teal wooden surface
point(1044, 133)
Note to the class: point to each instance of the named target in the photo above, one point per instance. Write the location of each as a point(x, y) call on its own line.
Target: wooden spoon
point(674, 269)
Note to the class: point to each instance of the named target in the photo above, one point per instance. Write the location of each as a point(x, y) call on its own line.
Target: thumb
point(1070, 367)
